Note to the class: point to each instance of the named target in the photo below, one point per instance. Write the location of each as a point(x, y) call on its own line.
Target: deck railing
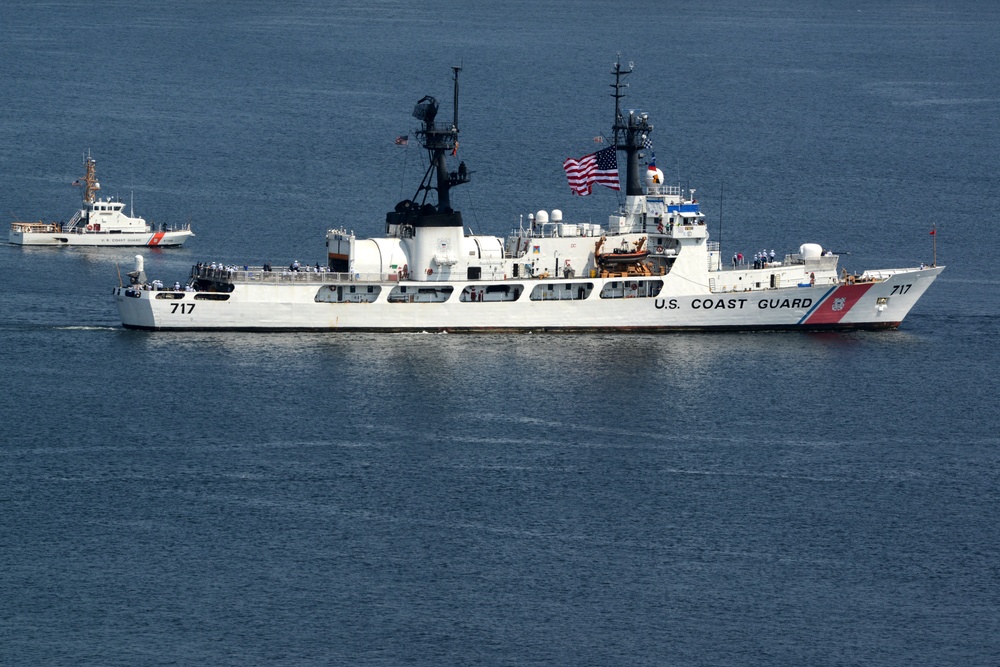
point(257, 274)
point(35, 227)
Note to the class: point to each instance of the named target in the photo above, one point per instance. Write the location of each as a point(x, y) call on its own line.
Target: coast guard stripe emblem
point(837, 304)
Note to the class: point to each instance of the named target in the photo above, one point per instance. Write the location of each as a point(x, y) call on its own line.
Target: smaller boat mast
point(91, 186)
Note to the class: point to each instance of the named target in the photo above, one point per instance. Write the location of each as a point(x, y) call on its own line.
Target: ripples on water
point(229, 498)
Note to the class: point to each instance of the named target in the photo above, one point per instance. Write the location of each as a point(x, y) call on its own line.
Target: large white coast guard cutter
point(98, 222)
point(651, 267)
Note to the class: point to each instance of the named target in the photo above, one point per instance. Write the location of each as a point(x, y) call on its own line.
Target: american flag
point(402, 140)
point(600, 167)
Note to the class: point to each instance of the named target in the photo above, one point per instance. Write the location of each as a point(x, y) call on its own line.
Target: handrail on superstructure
point(257, 274)
point(673, 190)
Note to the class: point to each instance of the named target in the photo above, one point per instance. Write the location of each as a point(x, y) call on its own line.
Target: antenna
point(722, 194)
point(456, 70)
point(632, 133)
point(934, 238)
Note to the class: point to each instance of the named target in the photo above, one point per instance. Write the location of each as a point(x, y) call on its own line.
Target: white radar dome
point(807, 250)
point(556, 215)
point(654, 177)
point(138, 262)
point(542, 217)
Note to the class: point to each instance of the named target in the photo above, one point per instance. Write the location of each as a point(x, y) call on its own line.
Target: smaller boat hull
point(101, 239)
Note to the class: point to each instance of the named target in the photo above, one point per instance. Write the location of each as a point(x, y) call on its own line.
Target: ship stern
point(135, 307)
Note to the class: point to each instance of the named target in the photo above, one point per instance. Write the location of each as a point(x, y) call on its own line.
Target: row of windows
point(199, 296)
point(570, 291)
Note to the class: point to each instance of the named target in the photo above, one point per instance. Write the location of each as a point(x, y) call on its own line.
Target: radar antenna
point(439, 139)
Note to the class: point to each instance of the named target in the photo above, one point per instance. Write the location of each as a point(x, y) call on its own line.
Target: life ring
point(90, 228)
point(659, 250)
point(634, 286)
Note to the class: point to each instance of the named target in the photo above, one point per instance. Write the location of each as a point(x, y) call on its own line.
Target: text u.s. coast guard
point(733, 304)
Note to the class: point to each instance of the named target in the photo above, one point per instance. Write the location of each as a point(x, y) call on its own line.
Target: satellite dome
point(654, 177)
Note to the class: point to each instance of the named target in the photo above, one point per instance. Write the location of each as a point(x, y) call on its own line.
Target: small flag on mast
point(402, 140)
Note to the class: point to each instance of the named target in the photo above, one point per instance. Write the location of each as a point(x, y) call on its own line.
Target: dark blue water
point(439, 499)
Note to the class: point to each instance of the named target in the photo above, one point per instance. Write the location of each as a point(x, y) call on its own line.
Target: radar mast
point(631, 131)
point(439, 139)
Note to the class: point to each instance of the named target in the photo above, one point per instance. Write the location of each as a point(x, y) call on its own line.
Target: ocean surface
point(306, 499)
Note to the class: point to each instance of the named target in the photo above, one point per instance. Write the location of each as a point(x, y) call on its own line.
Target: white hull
point(101, 239)
point(880, 304)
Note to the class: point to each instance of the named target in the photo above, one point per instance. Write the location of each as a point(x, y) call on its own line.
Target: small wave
point(950, 102)
point(87, 328)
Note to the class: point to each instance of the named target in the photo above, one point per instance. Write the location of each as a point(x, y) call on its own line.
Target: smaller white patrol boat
point(99, 222)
